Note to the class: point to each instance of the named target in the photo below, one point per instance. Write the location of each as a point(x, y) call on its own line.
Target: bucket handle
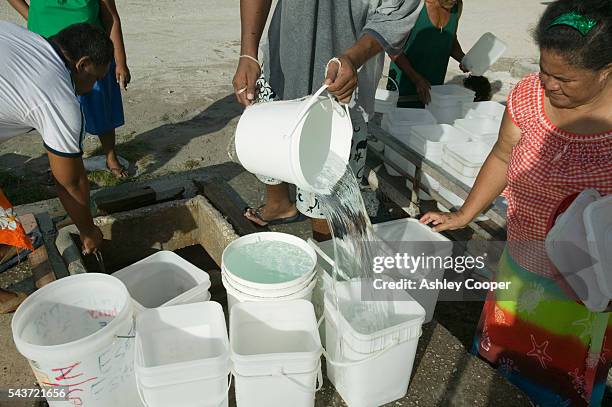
point(394, 82)
point(309, 104)
point(373, 356)
point(305, 389)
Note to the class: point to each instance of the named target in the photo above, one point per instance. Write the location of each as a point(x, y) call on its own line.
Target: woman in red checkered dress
point(555, 141)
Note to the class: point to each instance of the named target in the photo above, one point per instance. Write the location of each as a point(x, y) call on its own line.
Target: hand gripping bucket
point(76, 333)
point(293, 140)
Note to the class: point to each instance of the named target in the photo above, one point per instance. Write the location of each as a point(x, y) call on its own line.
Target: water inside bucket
point(56, 323)
point(166, 346)
point(268, 262)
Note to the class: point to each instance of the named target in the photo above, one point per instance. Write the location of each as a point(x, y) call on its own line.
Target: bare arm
point(456, 51)
point(253, 17)
point(421, 84)
point(21, 6)
point(342, 78)
point(489, 184)
point(112, 24)
point(73, 191)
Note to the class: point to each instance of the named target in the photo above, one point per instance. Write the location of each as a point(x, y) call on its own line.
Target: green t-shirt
point(48, 17)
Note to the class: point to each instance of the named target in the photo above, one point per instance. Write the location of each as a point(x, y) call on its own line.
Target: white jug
point(487, 50)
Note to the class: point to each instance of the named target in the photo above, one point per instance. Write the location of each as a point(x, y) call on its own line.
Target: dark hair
point(480, 85)
point(85, 40)
point(592, 51)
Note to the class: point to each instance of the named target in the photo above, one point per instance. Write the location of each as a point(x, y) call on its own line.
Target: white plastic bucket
point(371, 369)
point(466, 158)
point(386, 100)
point(598, 223)
point(75, 332)
point(182, 356)
point(164, 278)
point(252, 279)
point(234, 296)
point(275, 351)
point(413, 235)
point(479, 126)
point(293, 140)
point(568, 249)
point(447, 101)
point(429, 140)
point(487, 50)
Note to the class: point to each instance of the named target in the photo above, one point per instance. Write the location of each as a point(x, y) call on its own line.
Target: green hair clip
point(577, 21)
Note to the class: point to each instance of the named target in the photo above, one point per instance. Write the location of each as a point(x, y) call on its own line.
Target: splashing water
point(353, 235)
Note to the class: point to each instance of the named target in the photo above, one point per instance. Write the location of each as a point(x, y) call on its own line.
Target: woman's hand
point(341, 79)
point(246, 76)
point(92, 240)
point(445, 221)
point(123, 76)
point(423, 88)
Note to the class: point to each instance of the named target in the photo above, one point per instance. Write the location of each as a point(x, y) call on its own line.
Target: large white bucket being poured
point(75, 332)
point(293, 140)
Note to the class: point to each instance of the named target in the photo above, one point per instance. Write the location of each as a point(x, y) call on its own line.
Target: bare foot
point(114, 166)
point(267, 213)
point(9, 301)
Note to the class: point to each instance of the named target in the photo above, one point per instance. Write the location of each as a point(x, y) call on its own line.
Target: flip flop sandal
point(281, 221)
point(13, 304)
point(117, 171)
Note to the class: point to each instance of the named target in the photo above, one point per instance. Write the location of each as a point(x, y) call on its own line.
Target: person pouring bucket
point(353, 36)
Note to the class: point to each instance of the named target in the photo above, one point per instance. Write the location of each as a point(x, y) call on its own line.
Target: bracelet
point(251, 58)
point(336, 60)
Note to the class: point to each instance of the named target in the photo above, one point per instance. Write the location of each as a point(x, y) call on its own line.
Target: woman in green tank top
point(425, 57)
point(48, 17)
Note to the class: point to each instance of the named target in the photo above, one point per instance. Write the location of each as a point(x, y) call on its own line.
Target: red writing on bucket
point(98, 313)
point(70, 378)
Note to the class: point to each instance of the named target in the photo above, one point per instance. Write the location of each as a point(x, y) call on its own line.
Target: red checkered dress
point(547, 166)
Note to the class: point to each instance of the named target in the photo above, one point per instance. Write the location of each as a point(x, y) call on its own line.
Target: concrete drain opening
point(192, 228)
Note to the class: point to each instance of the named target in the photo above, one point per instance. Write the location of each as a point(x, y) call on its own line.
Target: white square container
point(413, 234)
point(398, 123)
point(371, 368)
point(466, 158)
point(487, 50)
point(447, 100)
point(568, 250)
point(164, 278)
point(478, 127)
point(487, 109)
point(598, 224)
point(428, 140)
point(182, 356)
point(275, 351)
